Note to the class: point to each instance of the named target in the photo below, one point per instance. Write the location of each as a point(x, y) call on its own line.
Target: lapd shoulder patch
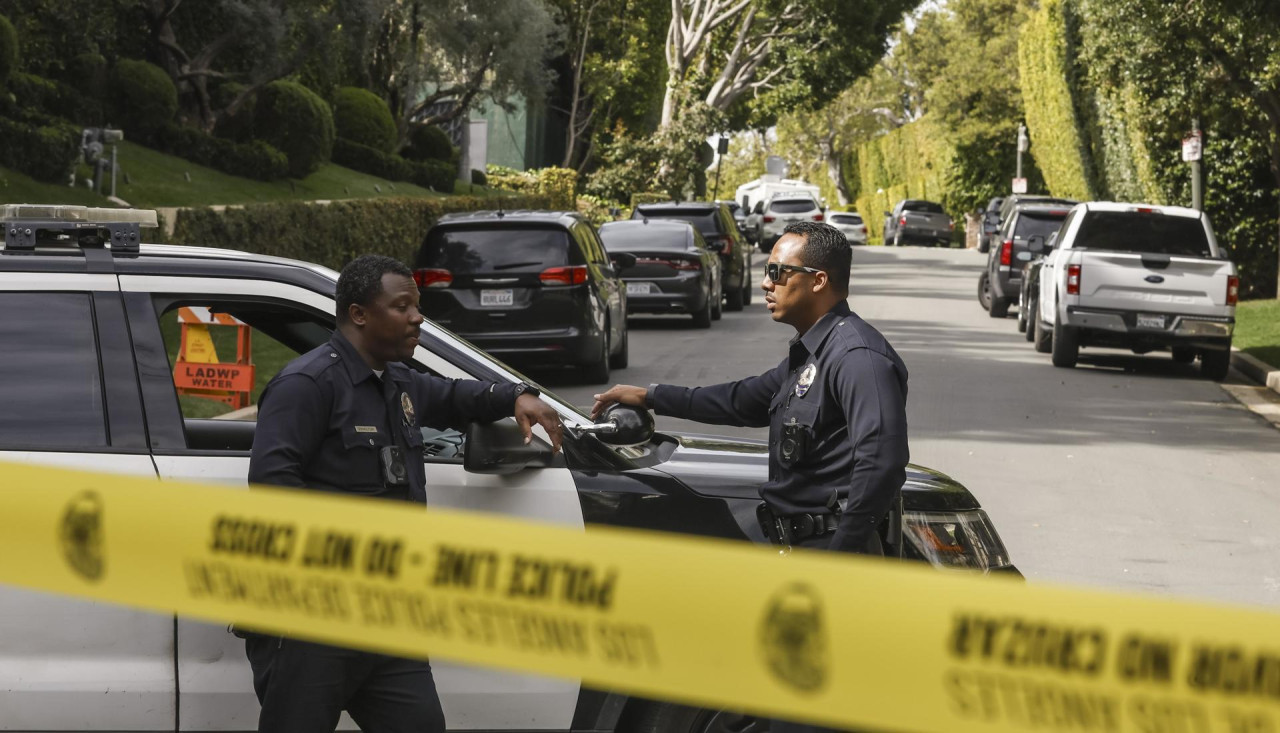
point(793, 638)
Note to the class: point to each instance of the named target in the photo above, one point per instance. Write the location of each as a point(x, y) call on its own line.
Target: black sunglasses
point(774, 270)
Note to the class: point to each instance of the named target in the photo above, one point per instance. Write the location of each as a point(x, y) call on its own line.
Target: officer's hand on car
point(530, 410)
point(624, 393)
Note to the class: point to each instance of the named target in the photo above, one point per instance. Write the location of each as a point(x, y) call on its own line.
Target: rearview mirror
point(624, 260)
point(622, 425)
point(887, 215)
point(1035, 245)
point(499, 448)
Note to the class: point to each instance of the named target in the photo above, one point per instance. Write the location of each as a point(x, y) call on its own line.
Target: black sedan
point(674, 271)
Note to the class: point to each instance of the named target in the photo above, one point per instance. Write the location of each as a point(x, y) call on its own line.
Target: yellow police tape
point(830, 639)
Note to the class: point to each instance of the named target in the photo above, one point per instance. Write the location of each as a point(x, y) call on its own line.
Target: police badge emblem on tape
point(806, 379)
point(81, 535)
point(793, 639)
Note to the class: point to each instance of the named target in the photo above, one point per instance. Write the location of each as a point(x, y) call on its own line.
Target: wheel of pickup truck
point(1184, 354)
point(1215, 363)
point(1041, 336)
point(1027, 316)
point(999, 307)
point(1066, 345)
point(984, 291)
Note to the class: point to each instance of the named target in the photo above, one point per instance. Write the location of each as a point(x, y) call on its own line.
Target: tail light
point(575, 275)
point(902, 222)
point(817, 217)
point(770, 219)
point(951, 224)
point(1073, 279)
point(1233, 289)
point(431, 278)
point(864, 228)
point(724, 242)
point(1006, 253)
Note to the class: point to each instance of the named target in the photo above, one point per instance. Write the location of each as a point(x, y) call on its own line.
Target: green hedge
point(434, 174)
point(297, 122)
point(560, 184)
point(143, 97)
point(362, 117)
point(55, 98)
point(8, 49)
point(46, 151)
point(1044, 69)
point(330, 234)
point(911, 161)
point(254, 159)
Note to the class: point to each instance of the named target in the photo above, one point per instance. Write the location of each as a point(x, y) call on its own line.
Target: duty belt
point(792, 528)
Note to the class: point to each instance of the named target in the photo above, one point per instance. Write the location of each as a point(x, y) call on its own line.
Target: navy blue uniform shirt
point(324, 419)
point(844, 388)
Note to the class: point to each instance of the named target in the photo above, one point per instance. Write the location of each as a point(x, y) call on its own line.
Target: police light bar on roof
point(77, 214)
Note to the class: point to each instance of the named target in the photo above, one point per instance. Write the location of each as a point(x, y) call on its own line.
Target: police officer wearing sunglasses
point(835, 406)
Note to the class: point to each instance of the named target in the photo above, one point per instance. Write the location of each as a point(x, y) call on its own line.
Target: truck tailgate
point(921, 221)
point(1154, 283)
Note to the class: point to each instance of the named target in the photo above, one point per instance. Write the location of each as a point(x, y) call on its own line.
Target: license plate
point(1149, 321)
point(497, 298)
point(639, 288)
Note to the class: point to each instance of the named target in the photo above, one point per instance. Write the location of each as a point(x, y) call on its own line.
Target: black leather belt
point(792, 528)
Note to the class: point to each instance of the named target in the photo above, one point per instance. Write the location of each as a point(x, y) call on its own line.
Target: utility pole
point(1197, 188)
point(722, 147)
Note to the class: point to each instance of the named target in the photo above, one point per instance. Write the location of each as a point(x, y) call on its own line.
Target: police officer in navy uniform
point(345, 418)
point(835, 406)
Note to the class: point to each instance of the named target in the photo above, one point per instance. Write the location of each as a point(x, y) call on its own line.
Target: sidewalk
point(1263, 396)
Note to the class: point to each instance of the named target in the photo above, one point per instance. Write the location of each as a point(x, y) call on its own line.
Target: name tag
point(366, 429)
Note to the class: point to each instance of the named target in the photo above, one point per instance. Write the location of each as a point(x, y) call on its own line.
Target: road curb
point(1256, 369)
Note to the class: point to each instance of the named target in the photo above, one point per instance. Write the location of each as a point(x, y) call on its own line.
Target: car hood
point(735, 468)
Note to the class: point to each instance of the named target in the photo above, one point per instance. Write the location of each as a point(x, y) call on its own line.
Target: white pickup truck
point(1141, 277)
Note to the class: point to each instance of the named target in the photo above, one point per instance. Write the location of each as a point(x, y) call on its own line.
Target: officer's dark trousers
point(818, 543)
point(304, 688)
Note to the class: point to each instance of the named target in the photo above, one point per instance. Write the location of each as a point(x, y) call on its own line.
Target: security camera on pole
point(1024, 144)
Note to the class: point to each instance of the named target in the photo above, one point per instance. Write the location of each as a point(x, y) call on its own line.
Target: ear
point(356, 315)
point(821, 282)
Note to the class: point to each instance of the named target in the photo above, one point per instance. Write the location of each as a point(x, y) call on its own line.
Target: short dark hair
point(825, 248)
point(361, 280)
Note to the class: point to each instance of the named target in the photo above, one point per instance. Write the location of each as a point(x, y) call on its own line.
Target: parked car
point(1029, 293)
point(775, 214)
point(999, 283)
point(102, 397)
point(674, 270)
point(1015, 200)
point(850, 224)
point(535, 286)
point(1142, 277)
point(990, 223)
point(716, 225)
point(917, 221)
point(739, 216)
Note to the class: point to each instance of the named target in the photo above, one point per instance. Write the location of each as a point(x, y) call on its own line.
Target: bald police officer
point(345, 418)
point(835, 406)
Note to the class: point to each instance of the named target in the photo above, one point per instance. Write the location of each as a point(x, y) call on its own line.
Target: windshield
point(927, 207)
point(1147, 233)
point(792, 206)
point(704, 220)
point(1038, 225)
point(846, 219)
point(465, 250)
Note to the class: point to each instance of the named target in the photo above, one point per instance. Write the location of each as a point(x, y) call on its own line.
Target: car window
point(50, 387)
point(791, 206)
point(590, 244)
point(846, 219)
point(646, 236)
point(923, 206)
point(1035, 224)
point(1147, 233)
point(509, 249)
point(704, 220)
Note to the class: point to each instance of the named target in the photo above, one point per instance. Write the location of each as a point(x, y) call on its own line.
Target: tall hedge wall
point(331, 234)
point(1044, 70)
point(909, 162)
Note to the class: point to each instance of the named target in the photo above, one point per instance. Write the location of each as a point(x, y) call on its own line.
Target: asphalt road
point(1127, 472)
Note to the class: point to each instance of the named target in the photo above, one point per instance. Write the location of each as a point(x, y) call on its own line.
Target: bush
point(143, 97)
point(560, 184)
point(255, 159)
point(362, 117)
point(237, 127)
point(87, 74)
point(330, 234)
point(434, 174)
point(55, 98)
point(46, 152)
point(428, 142)
point(478, 178)
point(295, 121)
point(8, 49)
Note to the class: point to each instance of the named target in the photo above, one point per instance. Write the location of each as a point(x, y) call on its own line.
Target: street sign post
point(1019, 185)
point(1192, 152)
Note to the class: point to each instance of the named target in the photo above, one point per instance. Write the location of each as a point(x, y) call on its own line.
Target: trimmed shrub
point(297, 122)
point(560, 184)
point(54, 98)
point(641, 198)
point(46, 152)
point(428, 142)
point(238, 127)
point(478, 178)
point(143, 97)
point(434, 174)
point(254, 159)
point(331, 234)
point(362, 117)
point(8, 49)
point(87, 74)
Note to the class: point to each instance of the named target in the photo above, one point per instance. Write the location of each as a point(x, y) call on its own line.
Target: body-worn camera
point(794, 443)
point(394, 470)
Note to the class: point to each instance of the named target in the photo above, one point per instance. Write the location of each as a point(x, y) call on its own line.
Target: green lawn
point(1258, 330)
point(15, 188)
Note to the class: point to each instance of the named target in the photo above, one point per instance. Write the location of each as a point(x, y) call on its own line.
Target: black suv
point(530, 285)
point(998, 285)
point(102, 395)
point(716, 225)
